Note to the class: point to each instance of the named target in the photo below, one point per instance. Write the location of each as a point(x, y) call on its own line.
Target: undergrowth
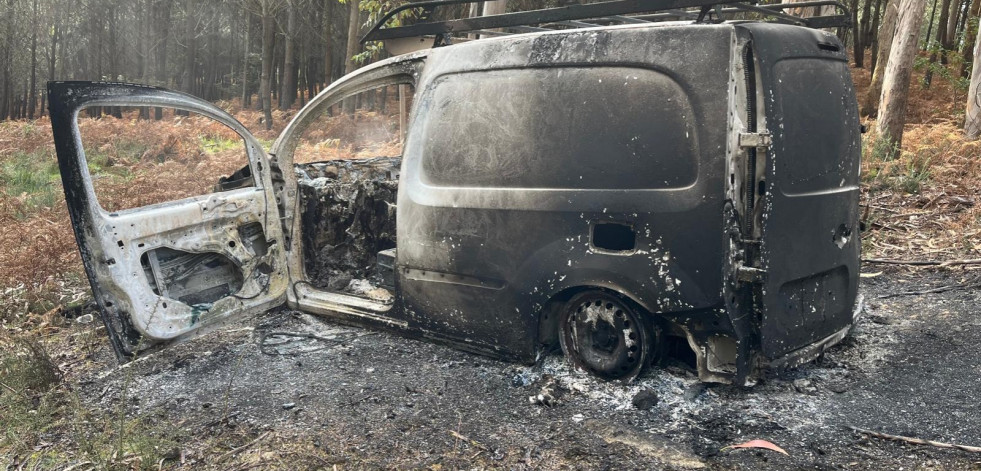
point(889, 168)
point(31, 177)
point(45, 425)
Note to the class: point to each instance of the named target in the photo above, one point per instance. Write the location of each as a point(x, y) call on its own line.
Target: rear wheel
point(605, 335)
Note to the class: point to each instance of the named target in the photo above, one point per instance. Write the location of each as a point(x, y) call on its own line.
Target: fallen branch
point(939, 263)
point(20, 393)
point(941, 289)
point(238, 450)
point(916, 441)
point(902, 215)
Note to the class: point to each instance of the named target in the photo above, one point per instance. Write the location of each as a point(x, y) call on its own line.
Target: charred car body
point(604, 189)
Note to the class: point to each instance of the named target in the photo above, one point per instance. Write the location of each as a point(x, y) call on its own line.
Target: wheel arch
point(548, 315)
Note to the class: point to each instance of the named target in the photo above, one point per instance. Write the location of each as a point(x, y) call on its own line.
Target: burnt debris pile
point(348, 216)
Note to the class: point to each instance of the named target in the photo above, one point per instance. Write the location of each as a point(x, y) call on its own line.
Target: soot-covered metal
point(613, 192)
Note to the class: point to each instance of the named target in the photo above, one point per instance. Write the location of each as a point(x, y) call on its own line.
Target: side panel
point(538, 164)
point(810, 243)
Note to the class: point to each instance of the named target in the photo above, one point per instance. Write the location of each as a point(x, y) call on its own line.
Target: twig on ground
point(880, 208)
point(20, 393)
point(471, 441)
point(249, 466)
point(915, 441)
point(240, 449)
point(224, 417)
point(359, 401)
point(941, 289)
point(939, 263)
point(883, 226)
point(902, 215)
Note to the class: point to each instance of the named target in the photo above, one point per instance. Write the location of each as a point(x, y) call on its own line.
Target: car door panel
point(162, 271)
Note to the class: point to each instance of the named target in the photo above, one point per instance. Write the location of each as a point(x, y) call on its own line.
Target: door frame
point(399, 70)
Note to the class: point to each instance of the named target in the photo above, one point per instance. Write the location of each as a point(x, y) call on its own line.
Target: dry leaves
point(757, 444)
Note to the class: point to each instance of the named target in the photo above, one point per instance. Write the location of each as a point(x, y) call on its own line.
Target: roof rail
point(599, 14)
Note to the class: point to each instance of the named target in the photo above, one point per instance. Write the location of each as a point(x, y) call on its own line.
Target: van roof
point(600, 15)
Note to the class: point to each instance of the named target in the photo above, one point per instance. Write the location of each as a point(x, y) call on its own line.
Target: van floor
point(328, 394)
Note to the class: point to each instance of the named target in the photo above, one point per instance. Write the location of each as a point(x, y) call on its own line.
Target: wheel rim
point(604, 336)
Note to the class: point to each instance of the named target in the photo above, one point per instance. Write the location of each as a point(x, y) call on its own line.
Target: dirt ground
point(273, 395)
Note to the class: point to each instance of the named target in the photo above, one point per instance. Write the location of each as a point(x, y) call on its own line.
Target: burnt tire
point(606, 335)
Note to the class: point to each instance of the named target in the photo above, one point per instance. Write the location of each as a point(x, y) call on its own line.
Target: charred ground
point(316, 394)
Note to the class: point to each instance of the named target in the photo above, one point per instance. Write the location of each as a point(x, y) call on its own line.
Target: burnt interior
point(347, 217)
point(242, 178)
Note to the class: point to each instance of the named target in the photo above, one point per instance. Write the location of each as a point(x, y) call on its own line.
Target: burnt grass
point(364, 399)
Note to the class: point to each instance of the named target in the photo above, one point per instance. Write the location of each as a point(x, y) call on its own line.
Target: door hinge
point(755, 139)
point(750, 274)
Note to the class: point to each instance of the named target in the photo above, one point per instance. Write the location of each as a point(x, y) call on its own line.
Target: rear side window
point(573, 128)
point(819, 145)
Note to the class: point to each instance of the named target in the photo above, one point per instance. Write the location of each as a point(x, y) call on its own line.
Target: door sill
point(342, 307)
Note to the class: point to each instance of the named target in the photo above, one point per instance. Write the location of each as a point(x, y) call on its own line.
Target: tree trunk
point(162, 10)
point(970, 34)
point(287, 97)
point(354, 20)
point(898, 73)
point(857, 49)
point(62, 61)
point(873, 38)
point(32, 97)
point(941, 34)
point(268, 36)
point(870, 105)
point(112, 22)
point(933, 14)
point(962, 23)
point(329, 43)
point(972, 121)
point(474, 12)
point(277, 78)
point(245, 61)
point(94, 64)
point(189, 48)
point(863, 31)
point(940, 42)
point(53, 53)
point(353, 26)
point(950, 29)
point(495, 7)
point(6, 90)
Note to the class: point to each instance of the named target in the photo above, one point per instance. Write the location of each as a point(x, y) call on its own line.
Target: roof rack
point(598, 14)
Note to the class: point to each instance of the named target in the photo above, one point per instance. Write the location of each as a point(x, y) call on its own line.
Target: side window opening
point(348, 164)
point(366, 125)
point(136, 162)
point(592, 144)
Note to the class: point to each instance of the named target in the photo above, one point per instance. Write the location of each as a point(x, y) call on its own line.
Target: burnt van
point(609, 190)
